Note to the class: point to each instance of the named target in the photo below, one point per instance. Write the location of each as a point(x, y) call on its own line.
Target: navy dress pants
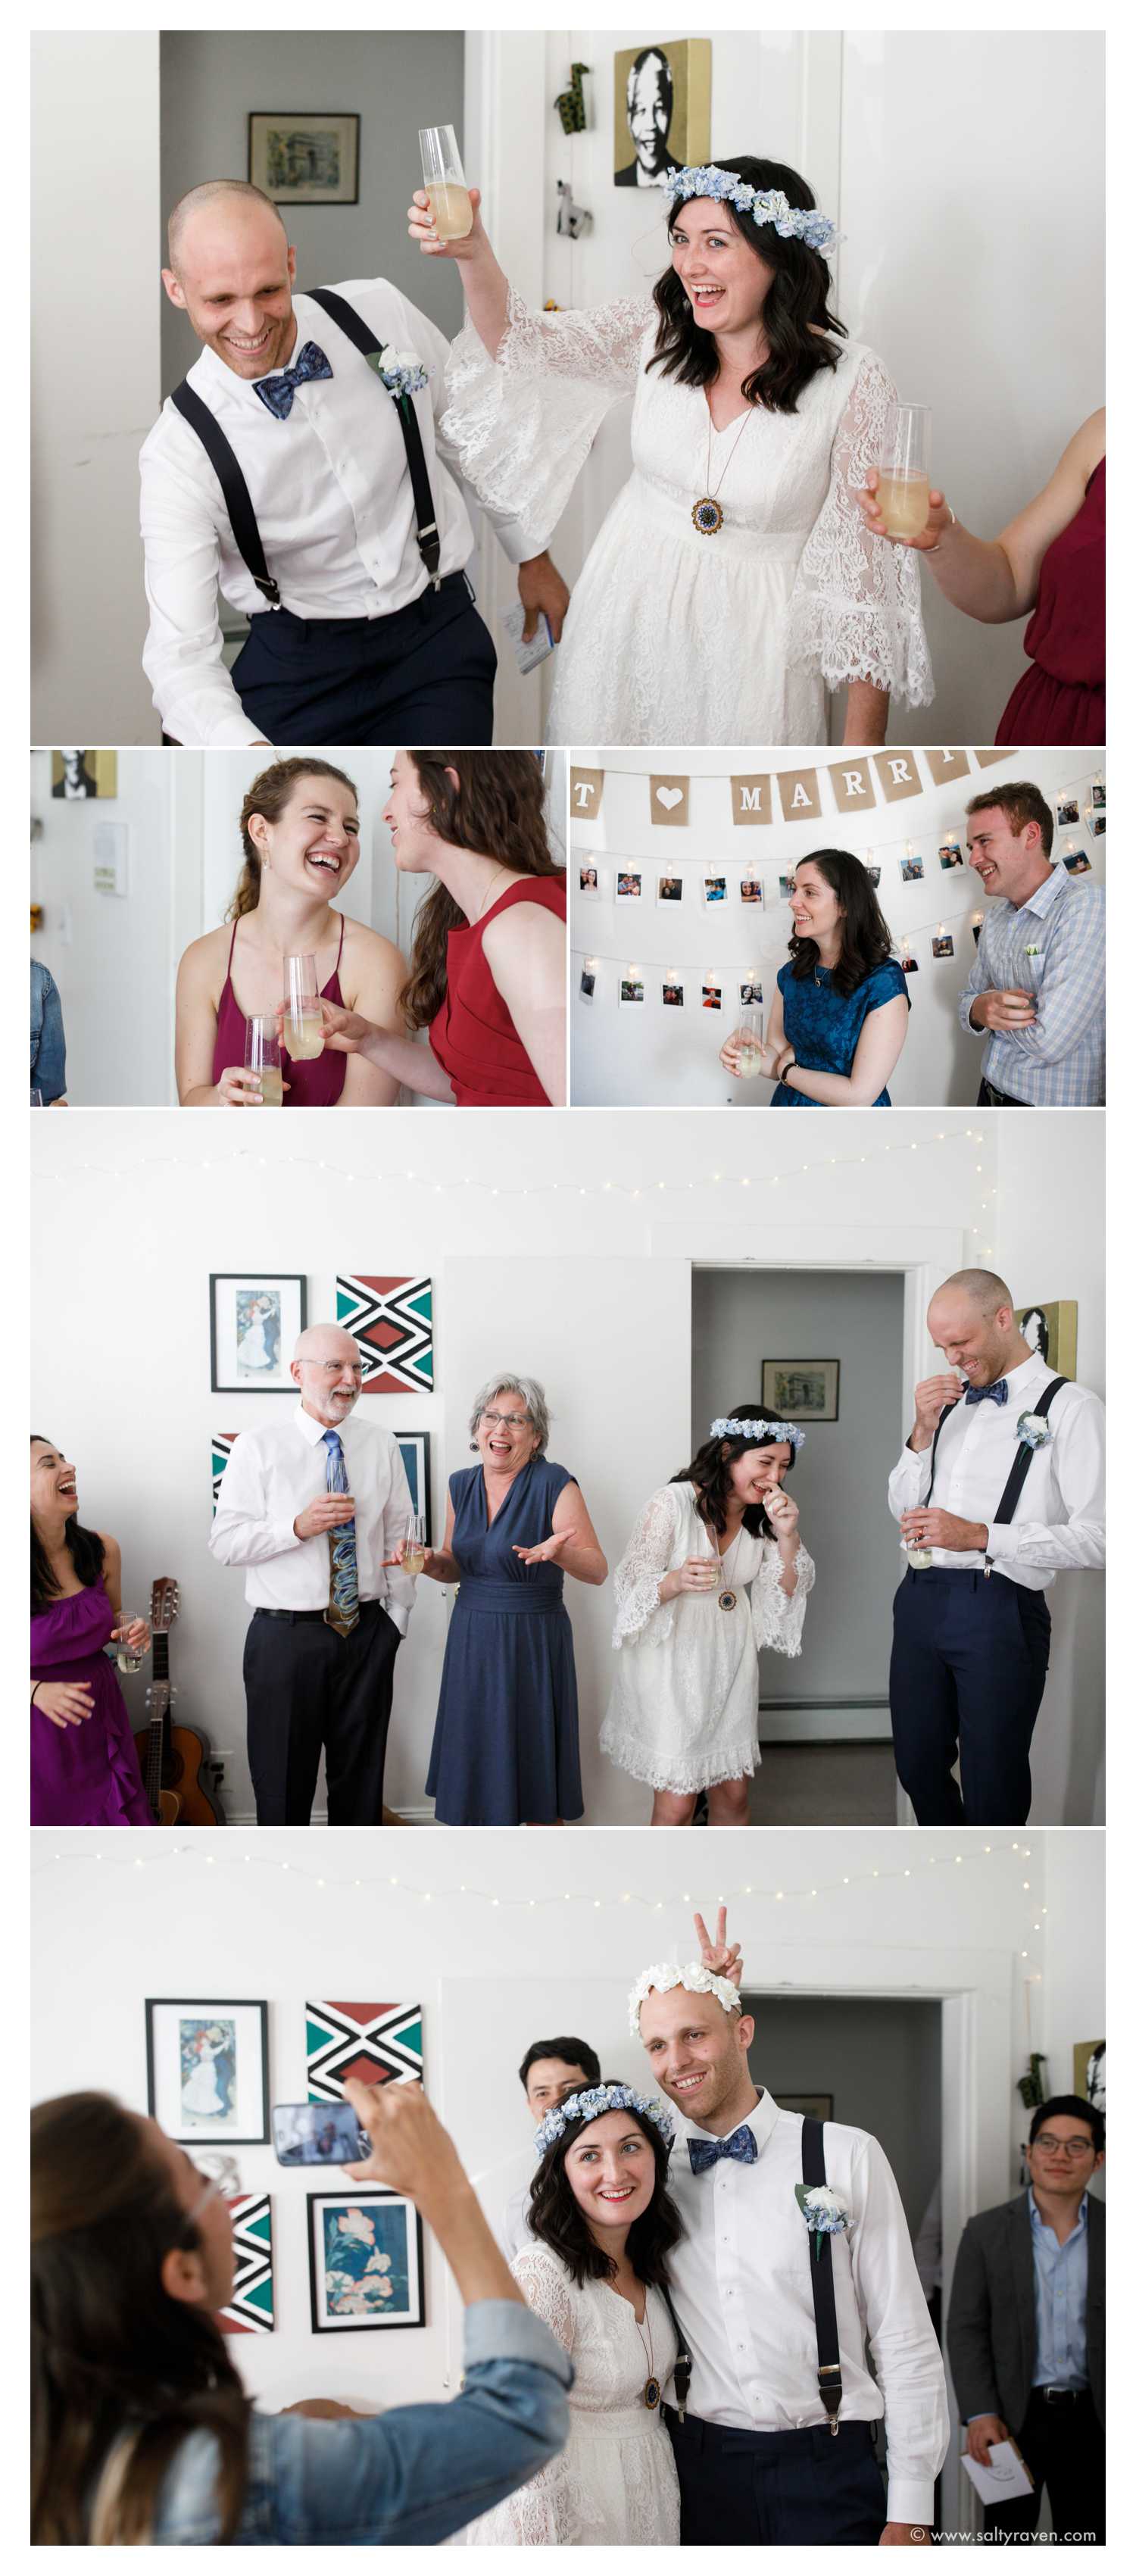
point(424, 674)
point(745, 2489)
point(968, 1665)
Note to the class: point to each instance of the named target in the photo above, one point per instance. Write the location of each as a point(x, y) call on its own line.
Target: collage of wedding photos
point(558, 605)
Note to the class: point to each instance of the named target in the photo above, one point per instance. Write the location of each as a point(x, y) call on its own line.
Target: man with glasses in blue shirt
point(1025, 2333)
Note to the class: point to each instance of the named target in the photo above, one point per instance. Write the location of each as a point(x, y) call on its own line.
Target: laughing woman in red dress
point(487, 968)
point(1047, 565)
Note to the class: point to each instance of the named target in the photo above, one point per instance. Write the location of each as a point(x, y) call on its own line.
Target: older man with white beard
point(314, 1509)
point(774, 2443)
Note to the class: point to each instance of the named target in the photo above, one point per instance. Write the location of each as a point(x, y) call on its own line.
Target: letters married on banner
point(854, 780)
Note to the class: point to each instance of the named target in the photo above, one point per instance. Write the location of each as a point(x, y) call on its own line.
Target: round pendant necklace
point(652, 2391)
point(707, 514)
point(727, 1600)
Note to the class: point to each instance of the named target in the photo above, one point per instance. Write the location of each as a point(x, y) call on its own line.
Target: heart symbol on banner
point(669, 796)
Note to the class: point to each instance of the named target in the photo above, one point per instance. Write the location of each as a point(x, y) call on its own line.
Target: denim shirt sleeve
point(48, 1057)
point(416, 2474)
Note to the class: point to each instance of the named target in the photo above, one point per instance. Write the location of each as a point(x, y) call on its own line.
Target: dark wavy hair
point(796, 314)
point(556, 2218)
point(709, 1472)
point(84, 1547)
point(496, 808)
point(115, 2359)
point(865, 940)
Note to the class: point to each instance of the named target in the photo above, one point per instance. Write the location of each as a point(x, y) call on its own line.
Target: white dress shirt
point(1059, 1521)
point(743, 2295)
point(330, 490)
point(272, 1474)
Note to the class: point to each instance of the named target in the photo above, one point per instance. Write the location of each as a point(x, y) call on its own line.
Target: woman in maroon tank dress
point(1048, 565)
point(487, 971)
point(300, 831)
point(84, 1768)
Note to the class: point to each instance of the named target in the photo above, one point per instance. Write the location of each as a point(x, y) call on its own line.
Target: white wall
point(935, 153)
point(95, 378)
point(502, 1943)
point(661, 1055)
point(518, 1281)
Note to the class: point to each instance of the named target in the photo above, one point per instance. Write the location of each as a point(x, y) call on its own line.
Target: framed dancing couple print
point(365, 2262)
point(207, 2070)
point(255, 1321)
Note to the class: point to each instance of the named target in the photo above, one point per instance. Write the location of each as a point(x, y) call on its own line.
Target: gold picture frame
point(1051, 1331)
point(666, 89)
point(78, 775)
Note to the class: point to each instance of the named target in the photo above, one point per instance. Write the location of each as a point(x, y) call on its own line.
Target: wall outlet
point(110, 854)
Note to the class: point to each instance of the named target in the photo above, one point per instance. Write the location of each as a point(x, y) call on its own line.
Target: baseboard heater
point(849, 1720)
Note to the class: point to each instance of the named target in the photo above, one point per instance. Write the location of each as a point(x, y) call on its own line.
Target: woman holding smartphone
point(142, 2432)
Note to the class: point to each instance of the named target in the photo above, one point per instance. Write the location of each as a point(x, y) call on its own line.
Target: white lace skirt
point(615, 2483)
point(675, 638)
point(683, 1713)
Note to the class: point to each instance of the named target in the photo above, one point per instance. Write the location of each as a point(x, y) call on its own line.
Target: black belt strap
point(360, 332)
point(242, 516)
point(1020, 1469)
point(829, 2380)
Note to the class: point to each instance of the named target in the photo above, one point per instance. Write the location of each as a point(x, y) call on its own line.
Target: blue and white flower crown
point(591, 2105)
point(763, 205)
point(728, 1427)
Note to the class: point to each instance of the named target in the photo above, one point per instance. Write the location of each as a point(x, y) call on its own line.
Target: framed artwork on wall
point(1088, 2071)
point(392, 1319)
point(207, 2070)
point(661, 110)
point(812, 2106)
point(801, 1390)
point(255, 1318)
point(76, 775)
point(1051, 1331)
point(304, 160)
point(365, 2262)
point(251, 2309)
point(415, 1448)
point(375, 2043)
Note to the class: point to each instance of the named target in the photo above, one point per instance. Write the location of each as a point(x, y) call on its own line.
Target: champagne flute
point(904, 494)
point(262, 1056)
point(445, 182)
point(303, 1018)
point(414, 1543)
point(749, 1042)
point(127, 1660)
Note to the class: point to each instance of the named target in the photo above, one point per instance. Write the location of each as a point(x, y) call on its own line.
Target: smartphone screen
point(317, 2133)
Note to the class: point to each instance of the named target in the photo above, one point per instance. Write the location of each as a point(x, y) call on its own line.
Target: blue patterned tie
point(277, 392)
point(342, 1612)
point(998, 1393)
point(704, 2152)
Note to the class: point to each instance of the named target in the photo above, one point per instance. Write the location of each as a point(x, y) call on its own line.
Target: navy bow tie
point(705, 2152)
point(997, 1393)
point(277, 392)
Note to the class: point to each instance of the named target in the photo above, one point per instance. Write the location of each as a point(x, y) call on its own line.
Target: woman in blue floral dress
point(837, 1028)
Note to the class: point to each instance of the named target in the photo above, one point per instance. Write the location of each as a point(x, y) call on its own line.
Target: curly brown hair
point(496, 807)
point(268, 795)
point(795, 317)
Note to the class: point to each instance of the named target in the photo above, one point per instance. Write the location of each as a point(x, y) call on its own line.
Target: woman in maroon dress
point(1048, 564)
point(487, 970)
point(300, 831)
point(84, 1765)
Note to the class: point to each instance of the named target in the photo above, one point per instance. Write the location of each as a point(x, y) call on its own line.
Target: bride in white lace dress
point(714, 1569)
point(734, 579)
point(604, 2223)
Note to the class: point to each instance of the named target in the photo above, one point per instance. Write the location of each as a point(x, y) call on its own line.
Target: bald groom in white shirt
point(372, 634)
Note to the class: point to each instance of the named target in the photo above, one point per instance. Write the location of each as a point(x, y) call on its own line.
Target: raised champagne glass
point(262, 1056)
point(303, 1018)
point(445, 183)
point(414, 1543)
point(749, 1042)
point(904, 493)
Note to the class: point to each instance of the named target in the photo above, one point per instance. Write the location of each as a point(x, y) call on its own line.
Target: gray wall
point(394, 83)
point(879, 2059)
point(742, 1317)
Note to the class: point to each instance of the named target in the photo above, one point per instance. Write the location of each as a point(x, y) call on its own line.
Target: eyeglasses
point(504, 1419)
point(1047, 2146)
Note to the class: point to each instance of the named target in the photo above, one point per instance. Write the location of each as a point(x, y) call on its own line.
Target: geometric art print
point(393, 1322)
point(220, 1446)
point(376, 2043)
point(250, 2310)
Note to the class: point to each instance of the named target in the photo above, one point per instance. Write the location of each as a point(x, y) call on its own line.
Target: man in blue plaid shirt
point(1037, 982)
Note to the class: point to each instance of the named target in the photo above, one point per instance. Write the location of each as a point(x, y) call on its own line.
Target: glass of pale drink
point(749, 1042)
point(904, 493)
point(262, 1056)
point(127, 1661)
point(303, 1018)
point(445, 183)
point(414, 1543)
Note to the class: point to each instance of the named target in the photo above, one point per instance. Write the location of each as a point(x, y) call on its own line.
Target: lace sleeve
point(521, 424)
point(539, 2515)
point(855, 610)
point(638, 1610)
point(778, 1617)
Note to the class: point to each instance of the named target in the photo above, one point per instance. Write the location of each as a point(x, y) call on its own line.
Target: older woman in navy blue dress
point(837, 1028)
point(506, 1742)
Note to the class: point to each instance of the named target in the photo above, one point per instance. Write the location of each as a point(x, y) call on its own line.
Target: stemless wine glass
point(414, 1543)
point(303, 1018)
point(262, 1056)
point(126, 1661)
point(444, 181)
point(904, 490)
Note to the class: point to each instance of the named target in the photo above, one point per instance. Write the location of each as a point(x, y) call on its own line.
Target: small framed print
point(251, 2308)
point(1051, 1331)
point(801, 1390)
point(255, 1320)
point(943, 946)
point(77, 775)
point(589, 882)
point(811, 2106)
point(752, 892)
point(668, 890)
point(674, 995)
point(414, 1449)
point(628, 885)
point(304, 160)
point(207, 2070)
point(631, 992)
point(713, 890)
point(365, 2262)
point(711, 994)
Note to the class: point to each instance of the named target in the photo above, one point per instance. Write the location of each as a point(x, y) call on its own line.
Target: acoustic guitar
point(171, 1756)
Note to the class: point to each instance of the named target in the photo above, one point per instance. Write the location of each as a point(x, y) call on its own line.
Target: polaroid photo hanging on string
point(950, 854)
point(909, 962)
point(674, 993)
point(1077, 862)
point(713, 890)
point(628, 885)
point(750, 995)
point(785, 887)
point(910, 869)
point(1068, 811)
point(631, 992)
point(1098, 794)
point(753, 893)
point(943, 945)
point(711, 994)
point(871, 871)
point(668, 890)
point(588, 984)
point(589, 881)
point(1096, 823)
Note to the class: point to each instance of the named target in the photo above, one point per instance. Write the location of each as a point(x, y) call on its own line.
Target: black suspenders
point(829, 2381)
point(242, 516)
point(1020, 1469)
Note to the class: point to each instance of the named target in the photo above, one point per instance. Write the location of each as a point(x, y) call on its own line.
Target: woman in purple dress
point(84, 1765)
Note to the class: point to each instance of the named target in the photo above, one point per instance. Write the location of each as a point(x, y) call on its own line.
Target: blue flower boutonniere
point(823, 2211)
point(1034, 1430)
point(400, 370)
